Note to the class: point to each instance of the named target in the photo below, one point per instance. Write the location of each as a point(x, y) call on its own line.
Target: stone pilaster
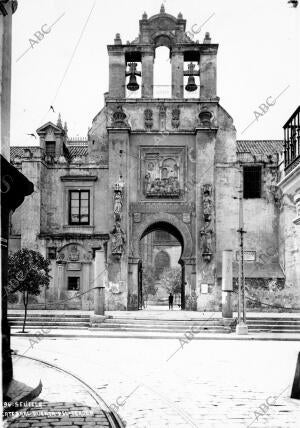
point(60, 279)
point(118, 141)
point(132, 284)
point(177, 74)
point(208, 75)
point(147, 74)
point(117, 69)
point(205, 210)
point(227, 285)
point(99, 271)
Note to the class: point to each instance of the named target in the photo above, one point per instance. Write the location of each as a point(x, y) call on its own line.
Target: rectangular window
point(50, 148)
point(252, 182)
point(79, 207)
point(73, 283)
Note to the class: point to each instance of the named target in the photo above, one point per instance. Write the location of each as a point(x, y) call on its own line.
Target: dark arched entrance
point(172, 231)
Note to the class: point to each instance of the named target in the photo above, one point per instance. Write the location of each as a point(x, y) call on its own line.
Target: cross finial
point(132, 67)
point(191, 67)
point(162, 8)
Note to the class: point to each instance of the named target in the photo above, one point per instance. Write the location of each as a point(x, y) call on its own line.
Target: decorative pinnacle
point(59, 122)
point(162, 8)
point(207, 38)
point(118, 40)
point(180, 16)
point(145, 16)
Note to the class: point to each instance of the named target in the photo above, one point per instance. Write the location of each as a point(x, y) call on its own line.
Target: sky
point(257, 63)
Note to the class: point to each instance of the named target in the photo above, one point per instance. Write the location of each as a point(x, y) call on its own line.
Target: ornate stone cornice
point(154, 207)
point(72, 236)
point(79, 178)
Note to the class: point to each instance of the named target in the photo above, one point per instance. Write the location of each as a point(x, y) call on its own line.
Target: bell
point(191, 85)
point(132, 84)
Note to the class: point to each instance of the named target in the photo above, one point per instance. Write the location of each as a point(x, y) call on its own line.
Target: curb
point(227, 336)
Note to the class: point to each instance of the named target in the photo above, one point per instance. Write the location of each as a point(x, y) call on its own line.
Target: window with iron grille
point(50, 148)
point(252, 182)
point(73, 283)
point(79, 207)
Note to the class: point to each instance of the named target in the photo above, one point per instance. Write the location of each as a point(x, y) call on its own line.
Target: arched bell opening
point(191, 78)
point(162, 80)
point(133, 75)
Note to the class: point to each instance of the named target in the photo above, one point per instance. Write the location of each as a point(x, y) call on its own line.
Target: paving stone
point(62, 423)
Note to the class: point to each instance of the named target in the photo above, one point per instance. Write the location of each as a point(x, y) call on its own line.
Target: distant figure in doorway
point(171, 299)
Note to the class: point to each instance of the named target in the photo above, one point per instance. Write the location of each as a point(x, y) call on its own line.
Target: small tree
point(171, 280)
point(28, 272)
point(149, 281)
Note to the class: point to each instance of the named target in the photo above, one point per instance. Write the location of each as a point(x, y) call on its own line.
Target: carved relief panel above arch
point(162, 172)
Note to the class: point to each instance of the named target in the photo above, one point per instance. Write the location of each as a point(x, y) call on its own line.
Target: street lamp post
point(241, 327)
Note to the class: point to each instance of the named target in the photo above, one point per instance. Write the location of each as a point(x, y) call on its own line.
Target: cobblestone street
point(206, 384)
point(64, 400)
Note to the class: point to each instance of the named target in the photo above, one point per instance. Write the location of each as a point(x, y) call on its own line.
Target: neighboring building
point(289, 236)
point(150, 164)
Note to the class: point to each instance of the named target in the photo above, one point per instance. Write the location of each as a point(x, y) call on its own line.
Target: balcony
point(292, 142)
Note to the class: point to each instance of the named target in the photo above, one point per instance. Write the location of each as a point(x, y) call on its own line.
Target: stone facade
point(149, 164)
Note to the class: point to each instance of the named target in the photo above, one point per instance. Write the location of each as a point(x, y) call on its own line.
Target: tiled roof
point(260, 147)
point(78, 151)
point(19, 150)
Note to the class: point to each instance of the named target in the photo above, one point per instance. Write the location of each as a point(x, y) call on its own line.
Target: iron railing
point(292, 141)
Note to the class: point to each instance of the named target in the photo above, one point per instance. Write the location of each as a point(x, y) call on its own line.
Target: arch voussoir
point(171, 219)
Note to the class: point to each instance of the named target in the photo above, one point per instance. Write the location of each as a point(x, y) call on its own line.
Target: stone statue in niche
point(207, 205)
point(118, 204)
point(148, 118)
point(162, 117)
point(206, 233)
point(175, 117)
point(118, 239)
point(118, 199)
